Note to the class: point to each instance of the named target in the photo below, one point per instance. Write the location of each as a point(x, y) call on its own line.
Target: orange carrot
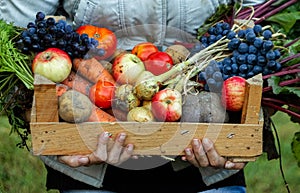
point(78, 83)
point(99, 115)
point(61, 89)
point(92, 70)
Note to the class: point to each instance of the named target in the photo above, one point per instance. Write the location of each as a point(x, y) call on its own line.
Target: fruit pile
point(46, 33)
point(129, 81)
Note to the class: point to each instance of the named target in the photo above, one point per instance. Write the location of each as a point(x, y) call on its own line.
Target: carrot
point(61, 89)
point(92, 70)
point(78, 83)
point(99, 115)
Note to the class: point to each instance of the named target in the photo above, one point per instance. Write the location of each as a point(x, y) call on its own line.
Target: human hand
point(204, 154)
point(108, 151)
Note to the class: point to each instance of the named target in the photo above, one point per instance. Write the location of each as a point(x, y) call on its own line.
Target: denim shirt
point(159, 21)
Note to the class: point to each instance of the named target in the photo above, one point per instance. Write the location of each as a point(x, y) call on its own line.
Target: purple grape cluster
point(215, 33)
point(252, 53)
point(211, 77)
point(45, 32)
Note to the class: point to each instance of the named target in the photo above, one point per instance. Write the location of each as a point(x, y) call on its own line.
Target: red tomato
point(144, 49)
point(158, 63)
point(106, 38)
point(101, 93)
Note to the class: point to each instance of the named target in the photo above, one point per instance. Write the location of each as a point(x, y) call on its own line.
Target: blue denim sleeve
point(20, 12)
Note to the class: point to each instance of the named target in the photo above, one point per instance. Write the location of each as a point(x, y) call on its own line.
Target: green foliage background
point(22, 172)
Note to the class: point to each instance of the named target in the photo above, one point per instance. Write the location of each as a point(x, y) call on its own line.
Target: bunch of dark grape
point(215, 33)
point(45, 32)
point(252, 53)
point(211, 77)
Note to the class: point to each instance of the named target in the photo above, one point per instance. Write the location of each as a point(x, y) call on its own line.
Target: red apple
point(144, 49)
point(233, 93)
point(166, 105)
point(158, 63)
point(53, 63)
point(126, 68)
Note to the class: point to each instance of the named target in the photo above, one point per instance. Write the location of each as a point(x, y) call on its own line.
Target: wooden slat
point(46, 101)
point(252, 104)
point(231, 140)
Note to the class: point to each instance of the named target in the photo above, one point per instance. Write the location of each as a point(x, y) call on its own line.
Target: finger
point(127, 153)
point(100, 154)
point(189, 156)
point(234, 166)
point(214, 158)
point(200, 154)
point(115, 153)
point(74, 161)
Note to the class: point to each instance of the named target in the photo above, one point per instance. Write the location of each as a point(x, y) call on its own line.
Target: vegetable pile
point(148, 84)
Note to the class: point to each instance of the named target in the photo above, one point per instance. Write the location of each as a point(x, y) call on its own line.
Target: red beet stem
point(262, 9)
point(292, 42)
point(279, 108)
point(281, 102)
point(283, 83)
point(291, 67)
point(278, 9)
point(285, 60)
point(281, 73)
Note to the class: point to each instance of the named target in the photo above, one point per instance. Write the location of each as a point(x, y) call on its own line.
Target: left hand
point(204, 154)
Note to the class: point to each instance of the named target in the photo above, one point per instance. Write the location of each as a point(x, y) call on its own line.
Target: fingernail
point(130, 147)
point(206, 142)
point(229, 165)
point(106, 135)
point(196, 143)
point(122, 137)
point(83, 160)
point(188, 152)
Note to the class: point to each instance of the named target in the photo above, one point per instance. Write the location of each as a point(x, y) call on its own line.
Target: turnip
point(140, 114)
point(124, 98)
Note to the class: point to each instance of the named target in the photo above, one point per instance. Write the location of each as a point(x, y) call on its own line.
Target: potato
point(205, 107)
point(178, 53)
point(74, 107)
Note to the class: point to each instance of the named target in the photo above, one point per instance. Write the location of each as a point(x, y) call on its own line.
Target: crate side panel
point(231, 140)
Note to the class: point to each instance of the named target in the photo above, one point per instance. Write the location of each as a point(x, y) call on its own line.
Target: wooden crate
point(240, 142)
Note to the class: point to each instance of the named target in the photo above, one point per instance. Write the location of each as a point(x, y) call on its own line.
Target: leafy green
point(296, 146)
point(277, 89)
point(13, 63)
point(286, 20)
point(220, 13)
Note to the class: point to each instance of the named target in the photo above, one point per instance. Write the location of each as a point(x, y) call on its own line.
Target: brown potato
point(74, 107)
point(178, 53)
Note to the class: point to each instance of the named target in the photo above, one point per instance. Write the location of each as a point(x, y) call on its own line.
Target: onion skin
point(140, 114)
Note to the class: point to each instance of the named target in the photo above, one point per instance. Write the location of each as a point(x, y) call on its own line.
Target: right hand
point(111, 153)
